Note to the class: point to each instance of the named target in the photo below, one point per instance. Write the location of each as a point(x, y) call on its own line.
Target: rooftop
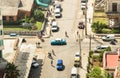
point(11, 7)
point(112, 60)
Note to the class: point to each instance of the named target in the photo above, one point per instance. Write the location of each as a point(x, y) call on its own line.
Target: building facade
point(112, 9)
point(1, 33)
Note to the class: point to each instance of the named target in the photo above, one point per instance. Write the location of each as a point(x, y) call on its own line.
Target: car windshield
point(54, 26)
point(59, 64)
point(57, 13)
point(77, 55)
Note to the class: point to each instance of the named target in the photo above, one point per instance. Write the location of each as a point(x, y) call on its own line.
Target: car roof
point(77, 53)
point(54, 23)
point(57, 10)
point(74, 70)
point(103, 46)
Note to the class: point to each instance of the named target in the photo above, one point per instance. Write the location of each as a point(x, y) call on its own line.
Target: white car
point(54, 26)
point(57, 13)
point(100, 48)
point(58, 6)
point(35, 63)
point(108, 37)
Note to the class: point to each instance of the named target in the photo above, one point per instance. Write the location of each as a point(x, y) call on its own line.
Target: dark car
point(60, 64)
point(81, 25)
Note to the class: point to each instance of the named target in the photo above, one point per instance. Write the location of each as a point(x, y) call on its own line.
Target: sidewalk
point(90, 12)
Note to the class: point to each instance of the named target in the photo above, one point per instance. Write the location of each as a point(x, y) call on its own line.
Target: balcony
point(113, 13)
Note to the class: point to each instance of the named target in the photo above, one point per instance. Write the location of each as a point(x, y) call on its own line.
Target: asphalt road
point(71, 15)
point(66, 52)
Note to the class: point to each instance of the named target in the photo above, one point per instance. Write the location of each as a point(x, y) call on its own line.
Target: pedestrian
point(53, 52)
point(66, 34)
point(89, 20)
point(92, 4)
point(51, 62)
point(49, 54)
point(77, 32)
point(76, 40)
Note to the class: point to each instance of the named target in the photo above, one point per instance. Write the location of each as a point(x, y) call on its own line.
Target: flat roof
point(9, 7)
point(111, 60)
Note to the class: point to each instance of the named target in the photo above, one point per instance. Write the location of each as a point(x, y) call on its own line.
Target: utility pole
point(85, 13)
point(80, 49)
point(90, 44)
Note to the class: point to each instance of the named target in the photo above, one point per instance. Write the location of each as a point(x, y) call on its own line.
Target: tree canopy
point(97, 73)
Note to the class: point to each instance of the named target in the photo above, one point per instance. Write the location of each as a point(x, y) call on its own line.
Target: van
point(74, 72)
point(108, 37)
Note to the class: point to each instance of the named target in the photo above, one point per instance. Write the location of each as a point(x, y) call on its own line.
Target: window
point(1, 32)
point(1, 42)
point(0, 22)
point(4, 18)
point(114, 7)
point(11, 18)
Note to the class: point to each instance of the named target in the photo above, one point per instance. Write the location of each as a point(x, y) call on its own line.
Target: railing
point(112, 12)
point(23, 33)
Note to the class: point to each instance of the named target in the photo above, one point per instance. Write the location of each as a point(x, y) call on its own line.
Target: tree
point(11, 71)
point(97, 27)
point(38, 15)
point(97, 73)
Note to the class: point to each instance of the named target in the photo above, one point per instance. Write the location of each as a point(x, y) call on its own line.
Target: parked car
point(108, 37)
point(58, 41)
point(60, 65)
point(54, 26)
point(35, 64)
point(58, 6)
point(57, 13)
point(77, 59)
point(81, 25)
point(83, 4)
point(100, 48)
point(74, 72)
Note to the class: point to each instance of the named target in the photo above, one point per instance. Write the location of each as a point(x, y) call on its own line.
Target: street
point(71, 15)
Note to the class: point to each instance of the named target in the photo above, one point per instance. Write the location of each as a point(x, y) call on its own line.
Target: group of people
point(50, 56)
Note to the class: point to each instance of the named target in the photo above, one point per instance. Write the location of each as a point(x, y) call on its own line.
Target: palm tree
point(11, 71)
point(97, 27)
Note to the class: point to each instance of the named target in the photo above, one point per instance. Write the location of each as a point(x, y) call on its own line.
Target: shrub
point(101, 56)
point(108, 49)
point(90, 53)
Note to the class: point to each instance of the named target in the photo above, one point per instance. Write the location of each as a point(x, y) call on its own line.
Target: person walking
point(51, 62)
point(77, 32)
point(89, 20)
point(66, 34)
point(53, 52)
